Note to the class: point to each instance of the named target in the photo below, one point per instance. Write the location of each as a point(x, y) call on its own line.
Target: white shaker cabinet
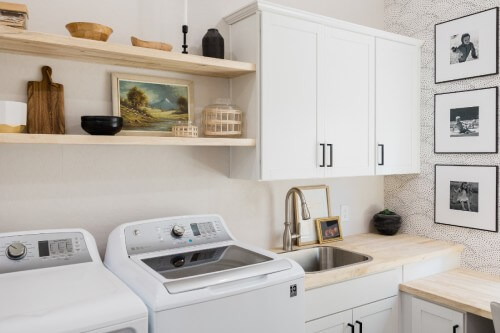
point(336, 323)
point(346, 92)
point(376, 317)
point(289, 99)
point(398, 107)
point(429, 317)
point(314, 105)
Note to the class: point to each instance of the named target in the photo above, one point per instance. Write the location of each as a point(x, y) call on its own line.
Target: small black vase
point(213, 44)
point(387, 224)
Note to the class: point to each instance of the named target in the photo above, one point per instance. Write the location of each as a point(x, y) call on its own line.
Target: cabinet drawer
point(321, 302)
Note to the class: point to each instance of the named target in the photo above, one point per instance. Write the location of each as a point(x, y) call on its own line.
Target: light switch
point(344, 213)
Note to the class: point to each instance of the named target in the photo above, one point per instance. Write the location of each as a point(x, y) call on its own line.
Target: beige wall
point(98, 188)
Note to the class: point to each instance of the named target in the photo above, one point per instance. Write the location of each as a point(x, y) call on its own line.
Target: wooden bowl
point(88, 30)
point(151, 45)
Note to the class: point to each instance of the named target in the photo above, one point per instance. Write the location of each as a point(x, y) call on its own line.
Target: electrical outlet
point(344, 213)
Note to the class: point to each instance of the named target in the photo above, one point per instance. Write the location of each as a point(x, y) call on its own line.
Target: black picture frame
point(496, 121)
point(496, 195)
point(496, 47)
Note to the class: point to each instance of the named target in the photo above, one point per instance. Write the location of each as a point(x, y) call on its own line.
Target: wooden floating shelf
point(19, 41)
point(122, 140)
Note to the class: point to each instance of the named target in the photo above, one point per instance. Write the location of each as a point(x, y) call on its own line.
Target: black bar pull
point(351, 326)
point(323, 145)
point(360, 326)
point(383, 153)
point(331, 155)
point(455, 328)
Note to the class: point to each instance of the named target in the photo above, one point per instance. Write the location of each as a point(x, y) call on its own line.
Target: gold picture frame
point(329, 229)
point(151, 105)
point(318, 203)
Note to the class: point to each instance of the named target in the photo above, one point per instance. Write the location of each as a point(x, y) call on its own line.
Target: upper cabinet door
point(290, 140)
point(398, 108)
point(346, 102)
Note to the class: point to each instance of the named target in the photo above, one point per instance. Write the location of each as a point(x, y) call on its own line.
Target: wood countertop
point(464, 290)
point(388, 252)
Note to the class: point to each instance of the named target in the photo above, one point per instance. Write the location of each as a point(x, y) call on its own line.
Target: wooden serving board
point(45, 105)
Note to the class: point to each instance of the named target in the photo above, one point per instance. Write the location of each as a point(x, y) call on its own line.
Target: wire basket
point(185, 130)
point(222, 120)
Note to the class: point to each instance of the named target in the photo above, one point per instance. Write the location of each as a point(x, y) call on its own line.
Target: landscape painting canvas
point(466, 196)
point(151, 105)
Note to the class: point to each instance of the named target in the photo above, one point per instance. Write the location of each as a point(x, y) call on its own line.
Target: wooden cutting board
point(45, 105)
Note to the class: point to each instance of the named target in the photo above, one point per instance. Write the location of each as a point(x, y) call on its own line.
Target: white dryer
point(54, 281)
point(195, 277)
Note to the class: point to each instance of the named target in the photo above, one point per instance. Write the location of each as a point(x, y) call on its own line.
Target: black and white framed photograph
point(466, 121)
point(466, 196)
point(467, 47)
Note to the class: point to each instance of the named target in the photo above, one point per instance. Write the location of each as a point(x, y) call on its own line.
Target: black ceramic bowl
point(102, 125)
point(387, 224)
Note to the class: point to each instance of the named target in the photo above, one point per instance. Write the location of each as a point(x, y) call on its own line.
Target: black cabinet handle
point(331, 155)
point(360, 326)
point(351, 326)
point(383, 153)
point(455, 328)
point(323, 145)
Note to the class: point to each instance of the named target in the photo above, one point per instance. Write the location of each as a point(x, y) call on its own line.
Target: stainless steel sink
point(323, 258)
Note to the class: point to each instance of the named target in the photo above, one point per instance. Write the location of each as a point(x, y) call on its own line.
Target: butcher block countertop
point(388, 252)
point(464, 290)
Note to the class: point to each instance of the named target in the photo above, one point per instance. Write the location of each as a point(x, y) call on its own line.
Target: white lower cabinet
point(376, 317)
point(428, 317)
point(335, 323)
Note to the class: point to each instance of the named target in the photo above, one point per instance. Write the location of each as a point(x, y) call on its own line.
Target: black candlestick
point(185, 31)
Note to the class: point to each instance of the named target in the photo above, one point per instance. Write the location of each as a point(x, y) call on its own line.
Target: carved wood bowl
point(89, 30)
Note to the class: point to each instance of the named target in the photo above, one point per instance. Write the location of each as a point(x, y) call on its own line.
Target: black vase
point(387, 224)
point(213, 44)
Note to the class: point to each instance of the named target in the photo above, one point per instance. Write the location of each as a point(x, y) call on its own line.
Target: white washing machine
point(54, 281)
point(195, 277)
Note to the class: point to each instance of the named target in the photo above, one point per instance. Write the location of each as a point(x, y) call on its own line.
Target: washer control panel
point(170, 233)
point(35, 251)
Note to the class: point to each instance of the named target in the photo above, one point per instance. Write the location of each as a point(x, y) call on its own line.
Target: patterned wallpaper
point(412, 196)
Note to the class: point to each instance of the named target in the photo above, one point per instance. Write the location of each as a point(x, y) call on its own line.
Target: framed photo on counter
point(329, 229)
point(318, 203)
point(466, 196)
point(466, 121)
point(467, 47)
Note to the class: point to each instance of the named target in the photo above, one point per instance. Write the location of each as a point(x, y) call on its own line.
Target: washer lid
point(208, 267)
point(211, 260)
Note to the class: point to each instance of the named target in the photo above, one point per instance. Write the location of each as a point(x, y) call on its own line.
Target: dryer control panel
point(171, 233)
point(34, 251)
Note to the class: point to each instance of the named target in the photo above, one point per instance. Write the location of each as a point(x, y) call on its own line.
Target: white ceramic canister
point(13, 117)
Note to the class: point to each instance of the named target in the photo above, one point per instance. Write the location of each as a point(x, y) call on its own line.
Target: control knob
point(16, 251)
point(178, 231)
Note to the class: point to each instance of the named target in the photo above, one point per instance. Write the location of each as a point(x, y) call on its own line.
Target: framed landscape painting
point(151, 105)
point(466, 121)
point(466, 196)
point(467, 47)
